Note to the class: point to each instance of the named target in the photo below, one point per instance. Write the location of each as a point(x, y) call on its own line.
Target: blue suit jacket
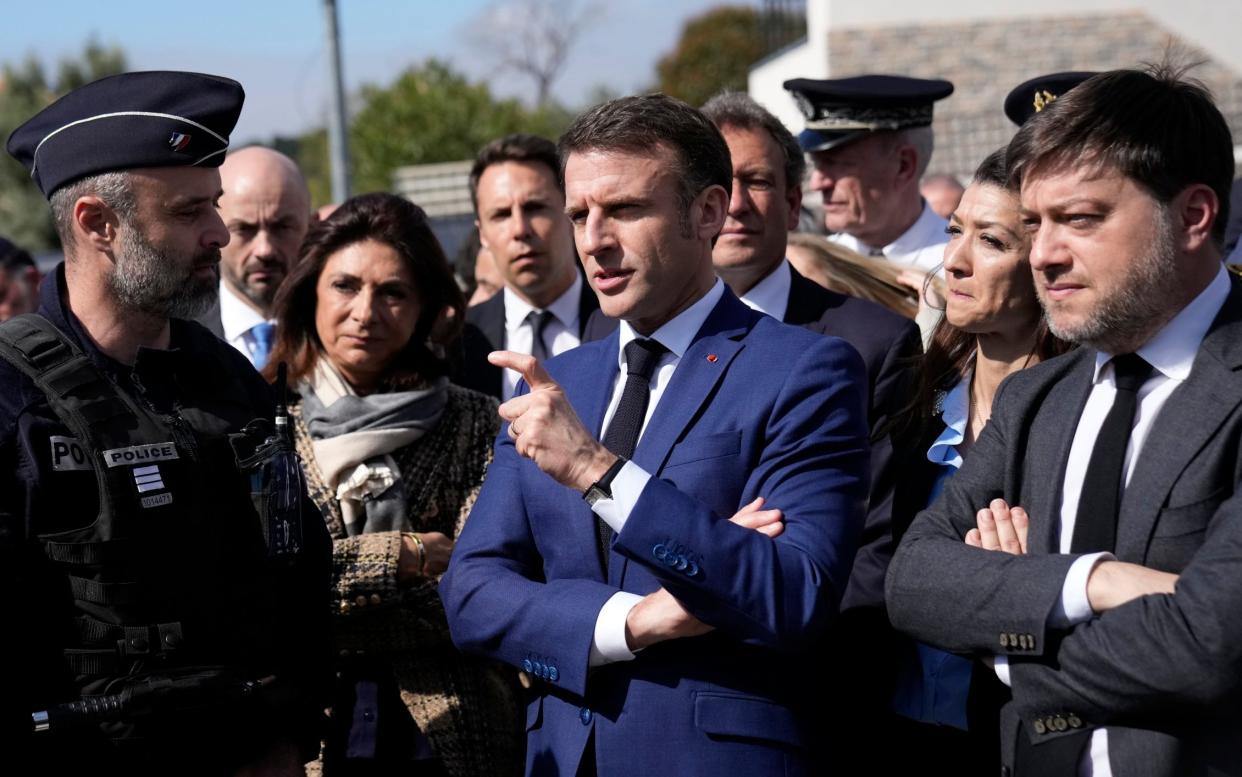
point(754, 408)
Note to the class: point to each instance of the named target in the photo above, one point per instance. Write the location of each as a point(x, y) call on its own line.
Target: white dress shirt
point(676, 335)
point(921, 246)
point(771, 295)
point(559, 336)
point(237, 319)
point(1171, 352)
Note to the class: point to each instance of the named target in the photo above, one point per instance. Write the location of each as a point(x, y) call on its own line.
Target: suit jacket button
point(1013, 640)
point(1059, 723)
point(376, 599)
point(660, 552)
point(1039, 727)
point(527, 666)
point(692, 570)
point(1004, 640)
point(682, 563)
point(1074, 721)
point(584, 715)
point(553, 674)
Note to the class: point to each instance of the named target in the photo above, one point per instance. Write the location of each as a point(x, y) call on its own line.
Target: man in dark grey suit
point(1092, 542)
point(545, 303)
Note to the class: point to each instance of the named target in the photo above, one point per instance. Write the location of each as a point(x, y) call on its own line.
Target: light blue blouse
point(932, 685)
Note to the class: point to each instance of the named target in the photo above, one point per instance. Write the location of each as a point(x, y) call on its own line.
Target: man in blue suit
point(663, 636)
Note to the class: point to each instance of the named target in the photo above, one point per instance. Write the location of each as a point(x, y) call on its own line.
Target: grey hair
point(113, 188)
point(740, 111)
point(922, 141)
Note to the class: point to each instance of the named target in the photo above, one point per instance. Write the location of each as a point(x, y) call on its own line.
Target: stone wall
point(985, 60)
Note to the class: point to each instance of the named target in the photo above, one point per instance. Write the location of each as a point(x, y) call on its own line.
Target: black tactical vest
point(171, 578)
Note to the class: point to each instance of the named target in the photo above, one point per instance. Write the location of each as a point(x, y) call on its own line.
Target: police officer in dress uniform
point(870, 139)
point(165, 605)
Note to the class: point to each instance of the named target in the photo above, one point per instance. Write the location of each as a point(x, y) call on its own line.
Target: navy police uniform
point(145, 610)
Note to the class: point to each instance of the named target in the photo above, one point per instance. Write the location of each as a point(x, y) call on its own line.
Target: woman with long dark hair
point(394, 455)
point(993, 326)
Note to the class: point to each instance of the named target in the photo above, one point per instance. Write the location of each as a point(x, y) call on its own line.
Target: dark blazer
point(485, 332)
point(1163, 673)
point(754, 408)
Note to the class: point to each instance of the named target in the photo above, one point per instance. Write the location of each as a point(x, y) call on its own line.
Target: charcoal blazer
point(1163, 673)
point(754, 408)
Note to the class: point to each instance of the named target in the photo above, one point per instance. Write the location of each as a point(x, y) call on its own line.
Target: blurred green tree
point(25, 89)
point(715, 52)
point(430, 113)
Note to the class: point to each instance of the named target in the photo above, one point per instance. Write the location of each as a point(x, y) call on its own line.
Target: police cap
point(1031, 97)
point(839, 110)
point(132, 120)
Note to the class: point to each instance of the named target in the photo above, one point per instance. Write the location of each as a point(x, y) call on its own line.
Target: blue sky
point(276, 47)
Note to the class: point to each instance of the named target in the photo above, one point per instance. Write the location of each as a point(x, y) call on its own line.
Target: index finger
point(525, 364)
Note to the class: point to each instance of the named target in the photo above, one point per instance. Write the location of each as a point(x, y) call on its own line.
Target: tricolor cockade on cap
point(1031, 97)
point(839, 110)
point(128, 121)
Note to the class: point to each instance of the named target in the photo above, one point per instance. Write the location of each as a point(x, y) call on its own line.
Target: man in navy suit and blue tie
point(664, 636)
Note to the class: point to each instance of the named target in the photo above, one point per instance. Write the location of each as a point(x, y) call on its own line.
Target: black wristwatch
point(602, 488)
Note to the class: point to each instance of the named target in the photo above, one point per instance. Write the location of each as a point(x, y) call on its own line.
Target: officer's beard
point(148, 280)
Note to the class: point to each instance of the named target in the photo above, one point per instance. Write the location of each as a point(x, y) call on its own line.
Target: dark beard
point(148, 280)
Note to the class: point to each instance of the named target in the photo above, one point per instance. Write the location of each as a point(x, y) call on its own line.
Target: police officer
point(870, 139)
point(136, 572)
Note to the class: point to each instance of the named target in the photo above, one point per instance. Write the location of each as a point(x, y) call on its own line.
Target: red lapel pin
point(711, 357)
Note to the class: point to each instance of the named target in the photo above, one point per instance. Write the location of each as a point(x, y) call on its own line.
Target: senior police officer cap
point(127, 121)
point(839, 110)
point(1031, 97)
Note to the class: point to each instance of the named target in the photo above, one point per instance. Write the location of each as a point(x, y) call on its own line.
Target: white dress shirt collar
point(564, 307)
point(678, 333)
point(771, 295)
point(1173, 349)
point(926, 231)
point(236, 317)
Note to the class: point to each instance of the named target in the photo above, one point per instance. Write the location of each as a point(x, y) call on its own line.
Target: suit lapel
point(1050, 436)
point(1187, 422)
point(698, 372)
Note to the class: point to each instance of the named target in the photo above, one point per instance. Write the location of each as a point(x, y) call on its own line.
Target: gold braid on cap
point(1043, 98)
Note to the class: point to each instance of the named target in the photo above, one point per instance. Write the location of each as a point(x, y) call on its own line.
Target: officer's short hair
point(1156, 126)
point(528, 149)
point(739, 110)
point(113, 188)
point(640, 124)
point(404, 227)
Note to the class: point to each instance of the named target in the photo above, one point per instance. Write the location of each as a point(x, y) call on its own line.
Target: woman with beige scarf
point(394, 456)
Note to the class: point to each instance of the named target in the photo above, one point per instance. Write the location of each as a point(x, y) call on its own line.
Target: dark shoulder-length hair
point(403, 226)
point(951, 350)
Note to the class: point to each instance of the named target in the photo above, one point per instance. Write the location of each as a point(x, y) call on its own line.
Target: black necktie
point(539, 320)
point(621, 437)
point(1095, 529)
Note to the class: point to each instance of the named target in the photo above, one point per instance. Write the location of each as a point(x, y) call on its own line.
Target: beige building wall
point(986, 48)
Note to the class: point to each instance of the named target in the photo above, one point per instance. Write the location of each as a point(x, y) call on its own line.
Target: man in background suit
point(664, 637)
point(1102, 527)
point(266, 206)
point(545, 304)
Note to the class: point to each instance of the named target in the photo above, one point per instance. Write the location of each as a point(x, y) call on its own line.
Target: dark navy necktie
point(1095, 528)
point(539, 320)
point(621, 437)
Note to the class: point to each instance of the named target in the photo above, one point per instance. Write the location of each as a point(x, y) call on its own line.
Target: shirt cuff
point(627, 487)
point(609, 644)
point(1074, 607)
point(1001, 667)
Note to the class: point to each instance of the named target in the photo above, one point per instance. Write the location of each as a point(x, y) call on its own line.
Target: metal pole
point(338, 139)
